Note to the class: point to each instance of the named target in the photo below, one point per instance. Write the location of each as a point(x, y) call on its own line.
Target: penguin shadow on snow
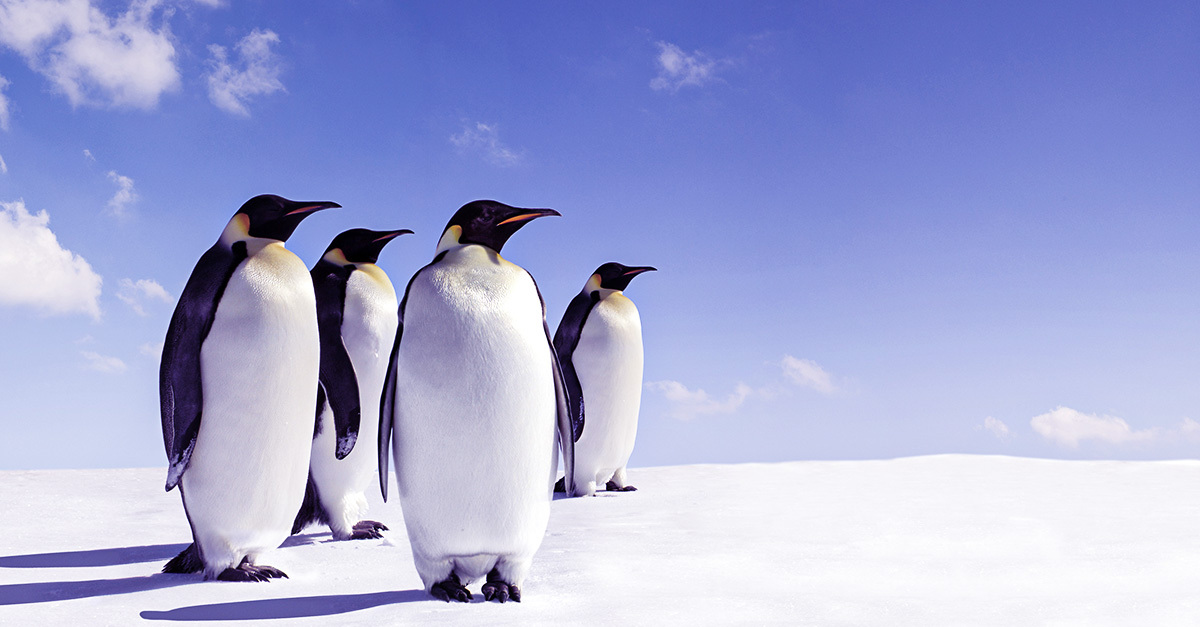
point(291, 607)
point(46, 591)
point(94, 557)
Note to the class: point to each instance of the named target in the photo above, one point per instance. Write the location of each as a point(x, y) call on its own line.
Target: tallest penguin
point(238, 392)
point(472, 405)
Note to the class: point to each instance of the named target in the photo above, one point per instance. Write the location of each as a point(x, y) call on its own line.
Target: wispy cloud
point(136, 293)
point(1069, 427)
point(151, 349)
point(808, 374)
point(118, 205)
point(103, 363)
point(3, 166)
point(4, 105)
point(484, 139)
point(677, 69)
point(996, 427)
point(38, 272)
point(688, 403)
point(90, 57)
point(1189, 429)
point(256, 72)
point(87, 154)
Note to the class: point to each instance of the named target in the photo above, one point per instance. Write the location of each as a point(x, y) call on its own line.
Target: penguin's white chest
point(475, 409)
point(608, 361)
point(259, 368)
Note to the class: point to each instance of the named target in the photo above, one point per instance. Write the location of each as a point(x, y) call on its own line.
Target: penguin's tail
point(310, 510)
point(188, 561)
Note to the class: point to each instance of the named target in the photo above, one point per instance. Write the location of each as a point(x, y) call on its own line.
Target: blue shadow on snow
point(94, 557)
point(293, 607)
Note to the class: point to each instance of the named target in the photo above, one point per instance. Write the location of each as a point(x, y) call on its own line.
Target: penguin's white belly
point(608, 362)
point(259, 368)
point(475, 416)
point(368, 328)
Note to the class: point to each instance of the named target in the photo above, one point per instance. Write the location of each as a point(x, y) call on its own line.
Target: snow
point(941, 540)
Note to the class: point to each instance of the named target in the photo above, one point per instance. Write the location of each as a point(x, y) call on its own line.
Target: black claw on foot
point(368, 530)
point(249, 572)
point(451, 589)
point(611, 486)
point(496, 589)
point(561, 486)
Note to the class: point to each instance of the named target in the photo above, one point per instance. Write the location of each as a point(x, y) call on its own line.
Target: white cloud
point(151, 349)
point(485, 140)
point(125, 196)
point(103, 363)
point(136, 293)
point(996, 427)
point(37, 271)
point(689, 404)
point(1068, 427)
point(1189, 429)
point(257, 72)
point(808, 374)
point(4, 108)
point(89, 57)
point(3, 166)
point(676, 68)
point(88, 155)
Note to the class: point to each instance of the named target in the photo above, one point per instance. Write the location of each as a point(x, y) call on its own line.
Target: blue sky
point(881, 231)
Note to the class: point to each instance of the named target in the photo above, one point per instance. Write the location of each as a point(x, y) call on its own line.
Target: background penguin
point(237, 386)
point(475, 396)
point(356, 313)
point(599, 345)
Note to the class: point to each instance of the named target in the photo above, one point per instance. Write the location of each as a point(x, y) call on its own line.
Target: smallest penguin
point(356, 316)
point(599, 344)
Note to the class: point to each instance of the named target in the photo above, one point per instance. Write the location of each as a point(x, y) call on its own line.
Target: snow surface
point(942, 540)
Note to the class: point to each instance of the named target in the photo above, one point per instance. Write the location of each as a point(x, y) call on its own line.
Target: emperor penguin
point(599, 345)
point(356, 314)
point(238, 391)
point(472, 408)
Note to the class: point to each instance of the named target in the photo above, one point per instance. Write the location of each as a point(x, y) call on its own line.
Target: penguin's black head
point(614, 276)
point(363, 245)
point(488, 223)
point(273, 217)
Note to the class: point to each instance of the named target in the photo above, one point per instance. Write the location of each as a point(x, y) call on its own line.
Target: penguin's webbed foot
point(561, 486)
point(249, 572)
point(368, 530)
point(612, 486)
point(496, 589)
point(451, 589)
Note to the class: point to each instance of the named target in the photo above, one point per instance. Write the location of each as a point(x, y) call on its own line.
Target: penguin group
point(272, 373)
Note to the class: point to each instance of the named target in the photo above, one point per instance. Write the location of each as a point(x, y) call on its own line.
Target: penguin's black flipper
point(564, 435)
point(566, 338)
point(387, 402)
point(180, 392)
point(337, 371)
